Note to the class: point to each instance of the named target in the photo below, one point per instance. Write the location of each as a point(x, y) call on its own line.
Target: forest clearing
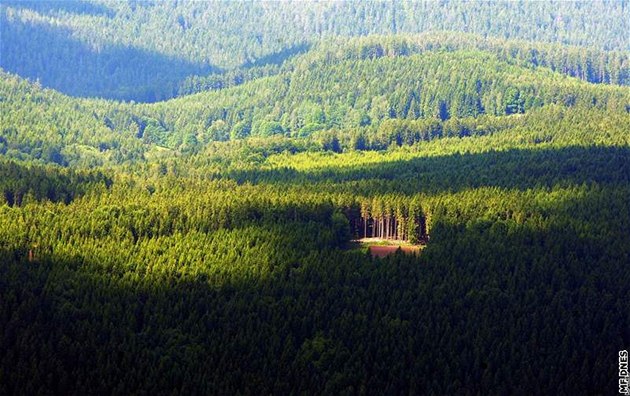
point(378, 247)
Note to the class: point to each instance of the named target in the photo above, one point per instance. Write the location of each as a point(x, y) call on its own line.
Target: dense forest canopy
point(402, 90)
point(144, 50)
point(203, 244)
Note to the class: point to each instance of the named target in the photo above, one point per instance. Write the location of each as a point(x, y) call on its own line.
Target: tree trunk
point(382, 227)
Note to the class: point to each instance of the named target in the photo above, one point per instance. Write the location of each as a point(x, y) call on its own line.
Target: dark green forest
point(182, 185)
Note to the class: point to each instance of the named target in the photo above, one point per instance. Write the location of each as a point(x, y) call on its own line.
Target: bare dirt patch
point(384, 247)
point(382, 251)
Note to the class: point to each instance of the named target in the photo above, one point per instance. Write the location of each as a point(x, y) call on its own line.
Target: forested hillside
point(401, 90)
point(239, 281)
point(207, 244)
point(144, 50)
point(41, 124)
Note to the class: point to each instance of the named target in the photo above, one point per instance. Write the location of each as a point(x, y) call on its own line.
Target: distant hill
point(41, 124)
point(364, 82)
point(145, 50)
point(362, 93)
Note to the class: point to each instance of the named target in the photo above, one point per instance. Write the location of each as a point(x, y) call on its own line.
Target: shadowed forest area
point(111, 71)
point(516, 168)
point(461, 287)
point(293, 310)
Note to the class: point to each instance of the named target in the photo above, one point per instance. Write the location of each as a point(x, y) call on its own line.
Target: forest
point(190, 227)
point(150, 50)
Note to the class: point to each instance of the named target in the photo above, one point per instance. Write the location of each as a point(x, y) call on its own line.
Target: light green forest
point(148, 50)
point(186, 227)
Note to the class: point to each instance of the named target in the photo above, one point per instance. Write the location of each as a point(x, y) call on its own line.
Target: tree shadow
point(277, 58)
point(493, 305)
point(511, 169)
point(507, 310)
point(79, 7)
point(20, 184)
point(58, 60)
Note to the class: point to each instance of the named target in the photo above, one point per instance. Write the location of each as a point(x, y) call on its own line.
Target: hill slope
point(143, 50)
point(364, 93)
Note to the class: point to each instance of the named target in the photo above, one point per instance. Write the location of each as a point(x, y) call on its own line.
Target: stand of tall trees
point(390, 218)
